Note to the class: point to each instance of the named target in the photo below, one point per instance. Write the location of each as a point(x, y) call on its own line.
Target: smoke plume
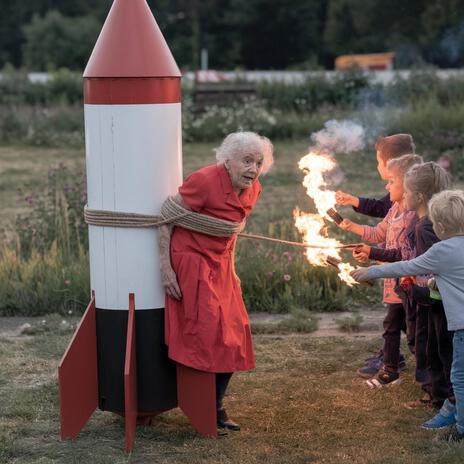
point(340, 137)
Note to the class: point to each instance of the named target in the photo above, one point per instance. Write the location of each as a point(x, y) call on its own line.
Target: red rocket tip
point(131, 44)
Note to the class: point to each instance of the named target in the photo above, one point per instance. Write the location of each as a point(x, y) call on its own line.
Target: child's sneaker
point(439, 421)
point(375, 364)
point(384, 378)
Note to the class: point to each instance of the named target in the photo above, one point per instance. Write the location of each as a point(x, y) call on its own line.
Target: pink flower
point(67, 282)
point(287, 277)
point(270, 274)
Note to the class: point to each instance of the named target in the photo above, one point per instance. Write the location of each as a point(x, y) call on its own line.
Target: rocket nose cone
point(131, 44)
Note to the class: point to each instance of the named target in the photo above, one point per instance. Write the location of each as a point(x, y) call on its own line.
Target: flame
point(312, 227)
point(314, 165)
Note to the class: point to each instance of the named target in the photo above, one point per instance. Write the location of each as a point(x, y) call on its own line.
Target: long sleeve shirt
point(373, 207)
point(391, 231)
point(445, 259)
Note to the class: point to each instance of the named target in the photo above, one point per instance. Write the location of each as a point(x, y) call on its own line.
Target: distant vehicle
point(367, 61)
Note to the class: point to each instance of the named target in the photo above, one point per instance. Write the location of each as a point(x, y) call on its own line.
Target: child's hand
point(346, 224)
point(360, 256)
point(361, 253)
point(360, 274)
point(343, 198)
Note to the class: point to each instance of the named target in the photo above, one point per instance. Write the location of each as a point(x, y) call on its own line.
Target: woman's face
point(244, 169)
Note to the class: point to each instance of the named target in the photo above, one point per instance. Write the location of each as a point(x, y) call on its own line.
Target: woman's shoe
point(224, 422)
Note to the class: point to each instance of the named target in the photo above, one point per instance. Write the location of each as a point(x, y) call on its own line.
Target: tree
point(57, 41)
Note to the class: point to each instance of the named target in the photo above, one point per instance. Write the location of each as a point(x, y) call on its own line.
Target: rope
point(297, 244)
point(171, 213)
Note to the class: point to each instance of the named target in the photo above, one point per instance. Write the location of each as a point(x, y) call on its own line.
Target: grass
point(302, 404)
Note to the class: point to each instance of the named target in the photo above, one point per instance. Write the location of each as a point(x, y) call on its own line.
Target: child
point(390, 231)
point(445, 259)
point(387, 148)
point(433, 348)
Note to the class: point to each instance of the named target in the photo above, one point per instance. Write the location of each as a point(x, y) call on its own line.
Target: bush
point(279, 280)
point(58, 126)
point(55, 217)
point(313, 93)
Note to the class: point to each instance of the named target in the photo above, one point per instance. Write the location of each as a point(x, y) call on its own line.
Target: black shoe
point(223, 421)
point(222, 432)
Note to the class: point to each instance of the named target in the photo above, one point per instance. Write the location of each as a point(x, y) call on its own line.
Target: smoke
point(340, 137)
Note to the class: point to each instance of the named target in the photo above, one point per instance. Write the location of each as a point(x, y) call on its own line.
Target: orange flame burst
point(312, 227)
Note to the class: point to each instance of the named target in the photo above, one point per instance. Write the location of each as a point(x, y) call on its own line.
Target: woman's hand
point(343, 198)
point(361, 253)
point(169, 281)
point(360, 274)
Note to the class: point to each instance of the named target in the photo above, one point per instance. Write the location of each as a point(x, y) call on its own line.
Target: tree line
point(250, 34)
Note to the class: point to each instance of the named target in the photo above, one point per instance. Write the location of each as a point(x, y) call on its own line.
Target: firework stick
point(296, 244)
point(331, 212)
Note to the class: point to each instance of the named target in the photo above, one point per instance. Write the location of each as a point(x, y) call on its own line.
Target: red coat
point(209, 328)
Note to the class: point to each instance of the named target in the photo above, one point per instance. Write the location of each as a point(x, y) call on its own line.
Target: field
point(302, 404)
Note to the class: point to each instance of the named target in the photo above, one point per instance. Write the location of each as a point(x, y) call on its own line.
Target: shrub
point(280, 280)
point(55, 216)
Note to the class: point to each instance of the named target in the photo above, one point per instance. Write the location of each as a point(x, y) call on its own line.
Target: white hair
point(447, 207)
point(246, 142)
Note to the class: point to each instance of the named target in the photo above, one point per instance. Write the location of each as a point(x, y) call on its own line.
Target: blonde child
point(445, 260)
point(391, 231)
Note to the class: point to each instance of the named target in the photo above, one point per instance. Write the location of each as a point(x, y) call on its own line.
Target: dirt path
point(327, 323)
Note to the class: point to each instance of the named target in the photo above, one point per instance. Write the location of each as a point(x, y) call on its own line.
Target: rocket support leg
point(196, 396)
point(77, 376)
point(130, 378)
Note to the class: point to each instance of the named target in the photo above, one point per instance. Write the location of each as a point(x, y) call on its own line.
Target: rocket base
point(156, 373)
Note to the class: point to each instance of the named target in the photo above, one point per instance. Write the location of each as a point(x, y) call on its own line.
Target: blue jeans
point(457, 377)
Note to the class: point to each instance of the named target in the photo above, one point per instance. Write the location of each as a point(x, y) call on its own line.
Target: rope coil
point(171, 213)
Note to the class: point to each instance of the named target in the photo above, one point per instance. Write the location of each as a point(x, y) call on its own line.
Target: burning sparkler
point(315, 165)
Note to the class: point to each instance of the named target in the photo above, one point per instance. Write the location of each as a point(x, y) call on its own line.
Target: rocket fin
point(130, 378)
point(196, 395)
point(77, 376)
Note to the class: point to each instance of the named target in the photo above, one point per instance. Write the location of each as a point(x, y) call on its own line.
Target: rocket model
point(117, 359)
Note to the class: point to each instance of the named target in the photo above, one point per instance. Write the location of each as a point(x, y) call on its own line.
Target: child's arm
point(363, 253)
point(431, 262)
point(373, 207)
point(385, 255)
point(367, 206)
point(375, 234)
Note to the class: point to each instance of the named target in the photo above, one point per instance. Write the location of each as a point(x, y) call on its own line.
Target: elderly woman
point(207, 326)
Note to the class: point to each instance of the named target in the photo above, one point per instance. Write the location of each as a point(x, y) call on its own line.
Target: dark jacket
point(372, 207)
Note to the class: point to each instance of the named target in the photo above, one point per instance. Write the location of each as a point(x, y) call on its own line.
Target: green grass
point(302, 404)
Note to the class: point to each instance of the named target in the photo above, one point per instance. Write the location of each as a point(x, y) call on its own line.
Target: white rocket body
point(134, 161)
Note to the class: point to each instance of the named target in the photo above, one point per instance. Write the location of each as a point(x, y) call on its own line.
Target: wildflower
point(287, 277)
point(270, 274)
point(70, 312)
point(67, 282)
